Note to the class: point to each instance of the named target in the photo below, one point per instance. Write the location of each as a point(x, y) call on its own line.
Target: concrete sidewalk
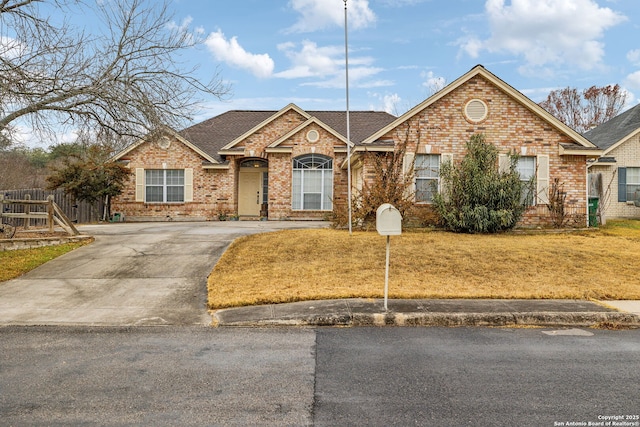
point(442, 312)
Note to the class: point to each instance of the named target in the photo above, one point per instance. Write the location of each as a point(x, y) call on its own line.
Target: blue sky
point(274, 52)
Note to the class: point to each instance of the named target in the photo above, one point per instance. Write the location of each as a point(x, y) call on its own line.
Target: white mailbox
point(388, 220)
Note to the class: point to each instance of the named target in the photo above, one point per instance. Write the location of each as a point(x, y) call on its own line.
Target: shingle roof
point(213, 134)
point(612, 131)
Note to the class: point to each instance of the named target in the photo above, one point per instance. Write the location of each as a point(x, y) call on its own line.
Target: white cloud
point(230, 51)
point(11, 48)
point(546, 32)
point(633, 80)
point(391, 103)
point(433, 82)
point(321, 14)
point(311, 60)
point(471, 45)
point(633, 56)
point(631, 101)
point(183, 27)
point(326, 64)
point(400, 3)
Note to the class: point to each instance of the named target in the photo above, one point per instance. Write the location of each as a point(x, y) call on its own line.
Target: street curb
point(546, 319)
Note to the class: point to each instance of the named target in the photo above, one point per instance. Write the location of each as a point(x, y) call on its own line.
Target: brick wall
point(439, 128)
point(215, 191)
point(626, 155)
point(443, 128)
point(280, 172)
point(212, 189)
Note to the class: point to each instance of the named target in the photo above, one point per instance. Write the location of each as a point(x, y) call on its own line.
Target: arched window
point(312, 182)
point(254, 163)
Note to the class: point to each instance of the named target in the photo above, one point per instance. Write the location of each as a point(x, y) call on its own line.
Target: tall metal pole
point(346, 56)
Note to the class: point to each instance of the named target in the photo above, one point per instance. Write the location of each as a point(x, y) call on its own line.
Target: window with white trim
point(427, 174)
point(312, 182)
point(633, 183)
point(164, 185)
point(526, 167)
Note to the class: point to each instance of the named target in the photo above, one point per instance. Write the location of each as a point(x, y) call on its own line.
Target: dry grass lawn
point(298, 265)
point(15, 263)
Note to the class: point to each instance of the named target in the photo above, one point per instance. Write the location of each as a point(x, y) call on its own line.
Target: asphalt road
point(138, 274)
point(324, 376)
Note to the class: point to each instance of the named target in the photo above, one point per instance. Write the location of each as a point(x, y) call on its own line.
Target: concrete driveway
point(133, 274)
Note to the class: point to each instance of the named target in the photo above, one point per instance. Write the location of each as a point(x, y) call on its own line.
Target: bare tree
point(17, 170)
point(124, 77)
point(584, 110)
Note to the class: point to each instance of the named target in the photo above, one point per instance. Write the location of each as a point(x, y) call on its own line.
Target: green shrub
point(476, 196)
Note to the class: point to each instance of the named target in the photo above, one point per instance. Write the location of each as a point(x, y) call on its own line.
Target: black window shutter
point(622, 184)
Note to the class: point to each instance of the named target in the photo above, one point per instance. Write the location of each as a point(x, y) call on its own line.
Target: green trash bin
point(593, 211)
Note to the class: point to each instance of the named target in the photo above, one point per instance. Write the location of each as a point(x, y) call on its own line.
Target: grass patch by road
point(18, 262)
point(296, 265)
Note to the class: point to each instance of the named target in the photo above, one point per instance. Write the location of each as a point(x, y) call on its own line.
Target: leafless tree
point(123, 77)
point(584, 110)
point(16, 171)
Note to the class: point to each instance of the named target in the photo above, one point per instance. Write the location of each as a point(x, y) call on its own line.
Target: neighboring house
point(291, 164)
point(615, 176)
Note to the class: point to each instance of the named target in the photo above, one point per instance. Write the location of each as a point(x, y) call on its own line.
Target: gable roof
point(213, 134)
point(615, 131)
point(256, 128)
point(305, 124)
point(164, 130)
point(479, 70)
point(224, 131)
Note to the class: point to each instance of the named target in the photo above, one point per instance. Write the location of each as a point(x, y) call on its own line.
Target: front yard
point(300, 265)
point(15, 263)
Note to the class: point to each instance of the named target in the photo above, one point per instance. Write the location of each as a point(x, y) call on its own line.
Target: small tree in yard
point(90, 177)
point(392, 183)
point(477, 197)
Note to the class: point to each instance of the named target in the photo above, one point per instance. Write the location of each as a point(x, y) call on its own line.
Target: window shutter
point(139, 185)
point(444, 158)
point(188, 185)
point(622, 184)
point(357, 183)
point(504, 163)
point(542, 179)
point(407, 165)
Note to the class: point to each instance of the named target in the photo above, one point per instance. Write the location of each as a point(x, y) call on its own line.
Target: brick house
point(291, 164)
point(615, 176)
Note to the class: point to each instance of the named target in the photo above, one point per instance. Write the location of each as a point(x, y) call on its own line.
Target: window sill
point(165, 203)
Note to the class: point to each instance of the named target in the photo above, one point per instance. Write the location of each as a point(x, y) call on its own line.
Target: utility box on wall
point(388, 220)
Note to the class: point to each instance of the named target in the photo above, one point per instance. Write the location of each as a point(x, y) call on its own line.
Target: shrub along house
point(291, 164)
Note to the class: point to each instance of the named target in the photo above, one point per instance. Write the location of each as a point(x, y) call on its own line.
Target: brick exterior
point(626, 154)
point(215, 191)
point(441, 127)
point(212, 189)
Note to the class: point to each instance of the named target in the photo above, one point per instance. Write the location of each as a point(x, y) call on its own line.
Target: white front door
point(250, 192)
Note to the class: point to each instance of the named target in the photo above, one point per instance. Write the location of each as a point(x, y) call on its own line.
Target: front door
point(250, 192)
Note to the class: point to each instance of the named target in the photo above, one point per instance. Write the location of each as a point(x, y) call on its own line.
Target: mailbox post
point(388, 223)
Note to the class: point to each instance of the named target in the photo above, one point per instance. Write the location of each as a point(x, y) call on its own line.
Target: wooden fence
point(52, 214)
point(77, 212)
